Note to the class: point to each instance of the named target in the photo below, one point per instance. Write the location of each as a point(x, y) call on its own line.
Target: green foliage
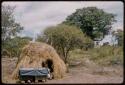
point(65, 38)
point(15, 45)
point(107, 55)
point(9, 26)
point(103, 56)
point(94, 22)
point(76, 54)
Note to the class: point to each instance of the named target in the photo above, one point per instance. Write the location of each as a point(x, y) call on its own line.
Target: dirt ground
point(77, 74)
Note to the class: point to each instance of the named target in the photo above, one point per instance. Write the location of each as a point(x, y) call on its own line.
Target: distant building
point(108, 40)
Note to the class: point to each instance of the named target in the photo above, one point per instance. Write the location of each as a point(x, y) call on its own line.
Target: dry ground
point(77, 74)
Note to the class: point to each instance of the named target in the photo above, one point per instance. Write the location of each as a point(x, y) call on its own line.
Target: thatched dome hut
point(35, 55)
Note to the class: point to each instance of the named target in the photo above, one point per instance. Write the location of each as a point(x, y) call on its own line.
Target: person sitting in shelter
point(28, 81)
point(49, 73)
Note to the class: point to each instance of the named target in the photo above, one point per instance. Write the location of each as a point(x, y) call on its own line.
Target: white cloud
point(36, 16)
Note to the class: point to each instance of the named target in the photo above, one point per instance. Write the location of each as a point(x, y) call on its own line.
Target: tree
point(9, 26)
point(64, 38)
point(15, 45)
point(94, 22)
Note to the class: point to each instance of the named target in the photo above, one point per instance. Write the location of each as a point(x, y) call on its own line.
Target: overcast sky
point(36, 16)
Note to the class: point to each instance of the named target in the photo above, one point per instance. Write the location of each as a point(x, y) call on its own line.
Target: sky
point(35, 17)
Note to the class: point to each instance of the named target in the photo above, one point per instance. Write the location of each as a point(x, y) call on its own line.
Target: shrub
point(107, 55)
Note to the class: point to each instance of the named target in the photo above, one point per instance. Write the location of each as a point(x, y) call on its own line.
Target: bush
point(65, 38)
point(107, 55)
point(14, 46)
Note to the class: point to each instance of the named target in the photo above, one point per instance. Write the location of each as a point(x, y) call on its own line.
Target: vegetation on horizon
point(11, 43)
point(94, 22)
